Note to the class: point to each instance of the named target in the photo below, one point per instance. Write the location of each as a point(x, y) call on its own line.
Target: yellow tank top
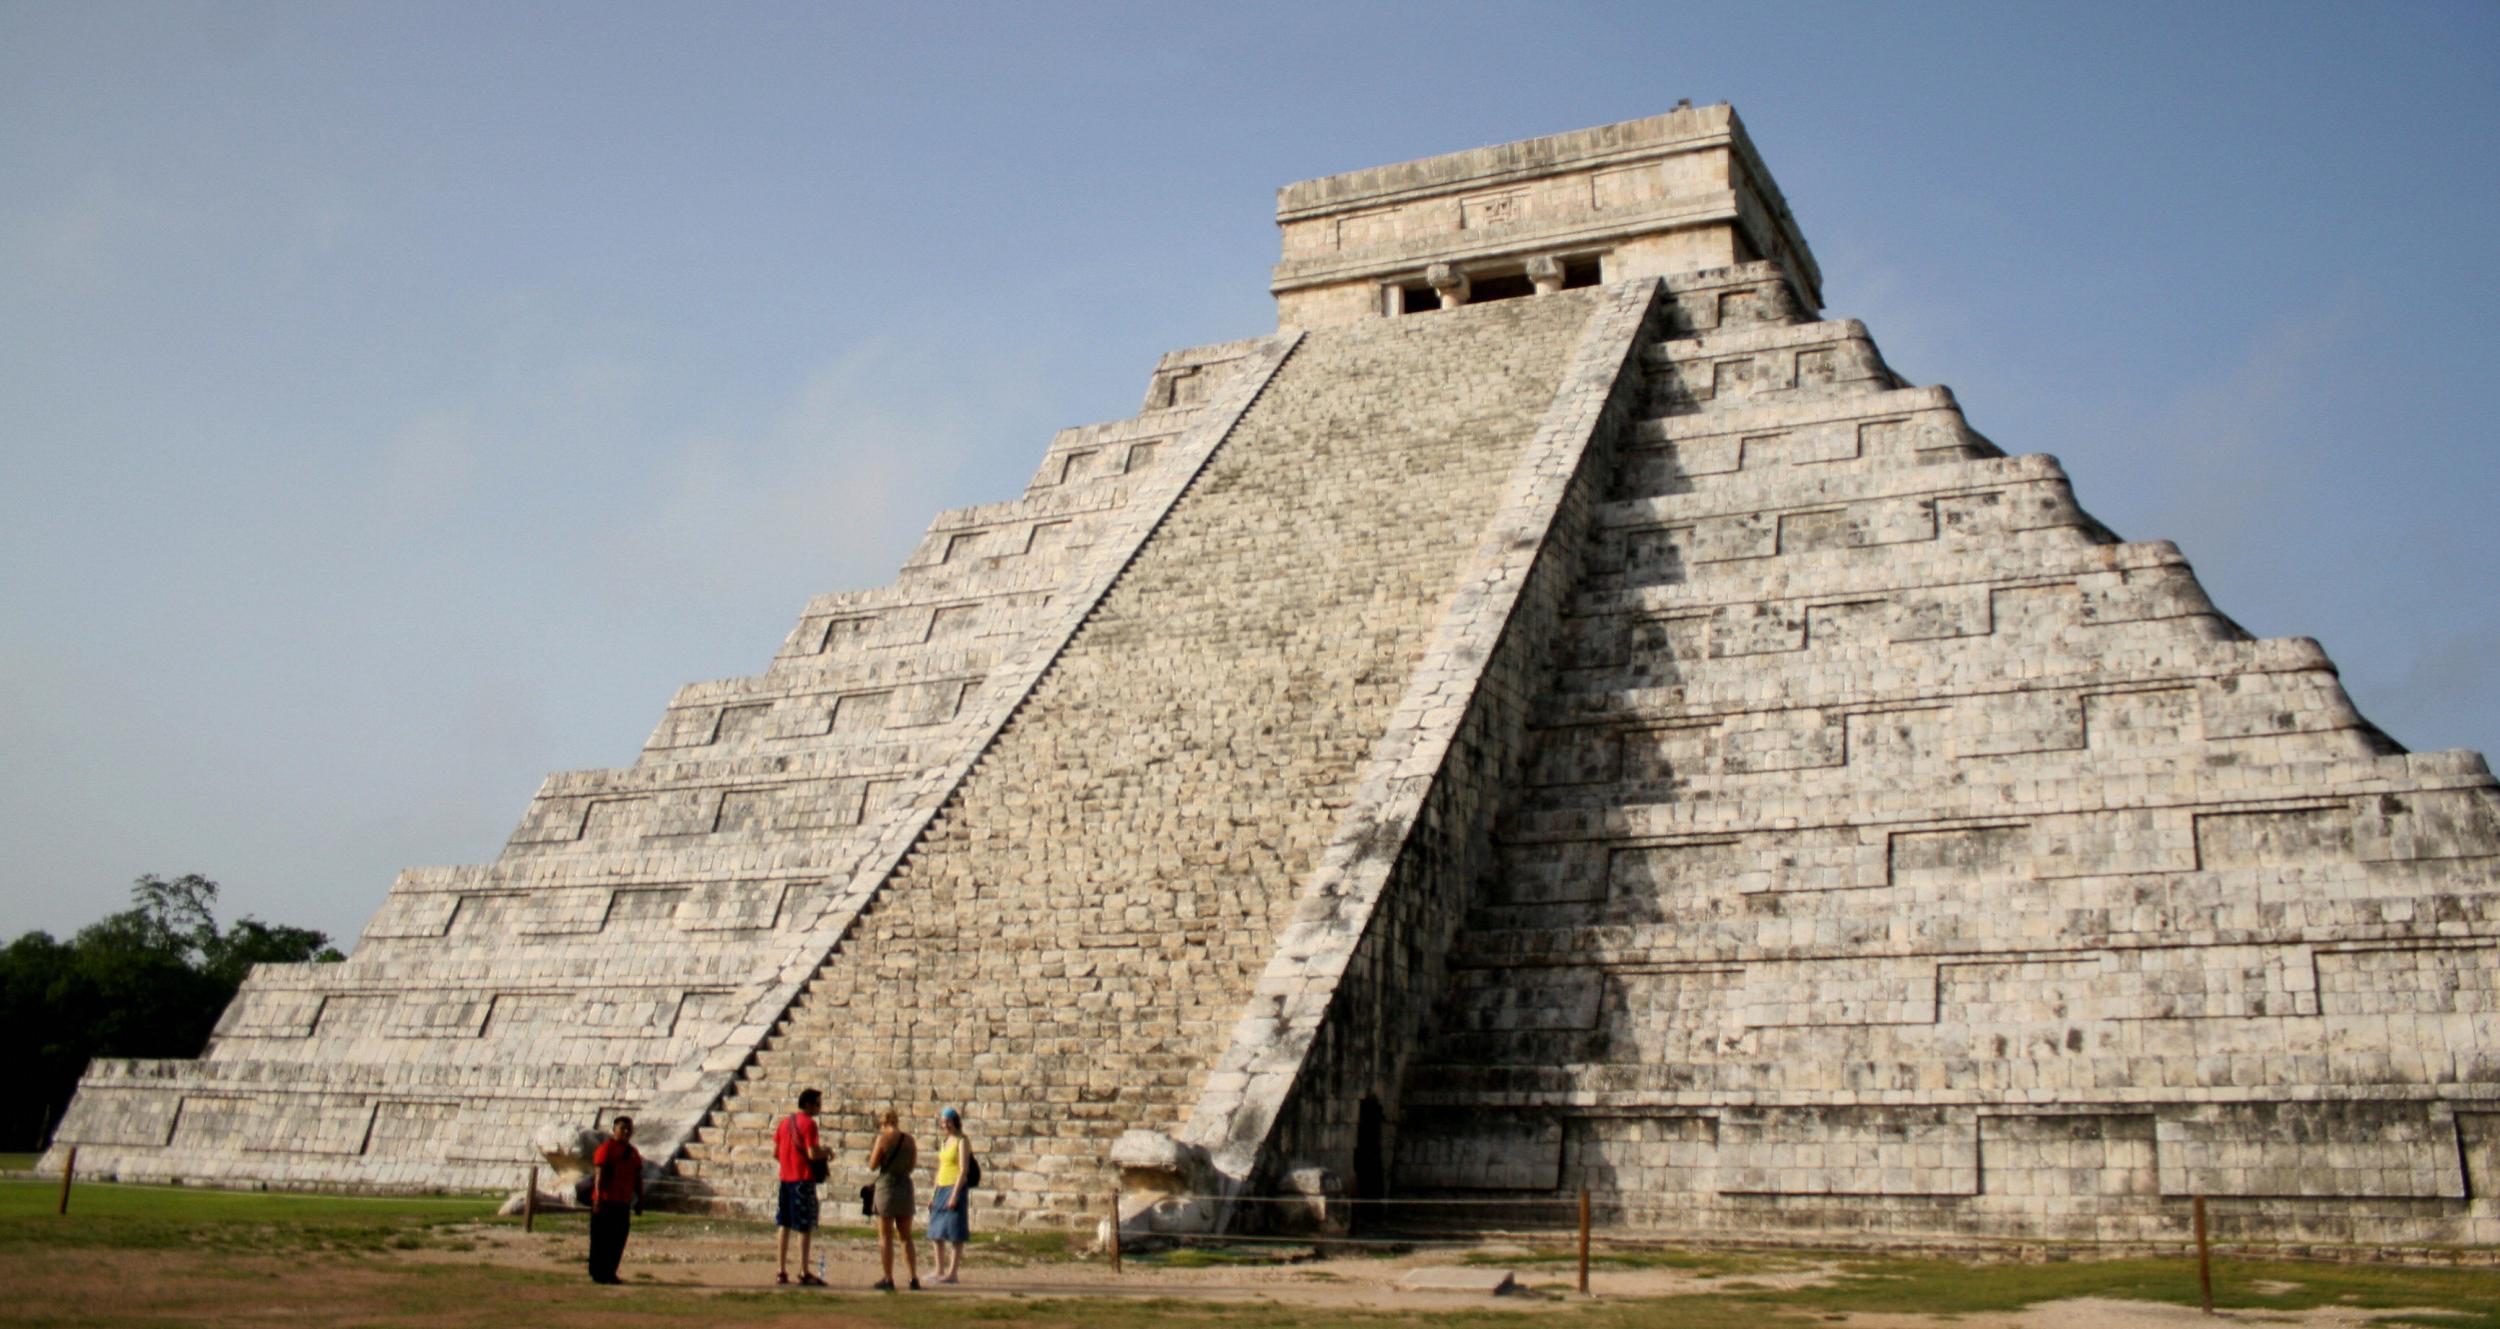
point(950, 1162)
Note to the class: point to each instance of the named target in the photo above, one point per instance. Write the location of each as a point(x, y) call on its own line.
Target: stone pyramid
point(1555, 714)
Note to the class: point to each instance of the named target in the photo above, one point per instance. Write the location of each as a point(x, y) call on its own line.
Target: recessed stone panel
point(859, 712)
point(1642, 1155)
point(1659, 755)
point(1850, 991)
point(1849, 1151)
point(1781, 741)
point(410, 914)
point(2138, 721)
point(2320, 1150)
point(1552, 872)
point(729, 906)
point(411, 1128)
point(1958, 855)
point(1545, 999)
point(1673, 873)
point(2261, 838)
point(1487, 1150)
point(2410, 980)
point(2068, 1159)
point(743, 724)
point(136, 1118)
point(312, 1126)
point(270, 1013)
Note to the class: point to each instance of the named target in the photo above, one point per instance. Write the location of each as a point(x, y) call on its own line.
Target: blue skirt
point(947, 1224)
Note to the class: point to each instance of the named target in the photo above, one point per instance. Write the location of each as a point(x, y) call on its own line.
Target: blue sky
point(398, 401)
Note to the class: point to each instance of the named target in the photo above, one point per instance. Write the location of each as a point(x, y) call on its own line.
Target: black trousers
point(609, 1226)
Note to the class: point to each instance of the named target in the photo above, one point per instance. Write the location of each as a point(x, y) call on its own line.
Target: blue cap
point(951, 1114)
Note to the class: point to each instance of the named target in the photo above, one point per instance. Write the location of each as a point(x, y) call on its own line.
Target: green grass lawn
point(143, 1255)
point(18, 1162)
point(158, 1217)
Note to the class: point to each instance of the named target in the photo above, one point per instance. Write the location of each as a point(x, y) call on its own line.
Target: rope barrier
point(1234, 1239)
point(331, 1197)
point(1556, 1238)
point(1310, 1200)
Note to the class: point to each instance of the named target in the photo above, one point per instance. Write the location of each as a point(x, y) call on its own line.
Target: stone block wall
point(1900, 853)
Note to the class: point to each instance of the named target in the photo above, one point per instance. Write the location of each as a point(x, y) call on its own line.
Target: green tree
point(148, 981)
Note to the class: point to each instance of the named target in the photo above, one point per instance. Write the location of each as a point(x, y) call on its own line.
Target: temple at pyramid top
point(1672, 194)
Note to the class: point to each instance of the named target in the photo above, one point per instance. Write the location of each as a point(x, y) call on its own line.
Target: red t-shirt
point(616, 1173)
point(794, 1145)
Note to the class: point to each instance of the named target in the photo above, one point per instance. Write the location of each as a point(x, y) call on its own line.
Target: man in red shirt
point(801, 1155)
point(615, 1197)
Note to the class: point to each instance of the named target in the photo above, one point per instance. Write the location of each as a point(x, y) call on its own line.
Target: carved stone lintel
point(1547, 272)
point(1447, 282)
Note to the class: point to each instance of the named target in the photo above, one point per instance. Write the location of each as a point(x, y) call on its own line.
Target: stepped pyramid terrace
point(1558, 712)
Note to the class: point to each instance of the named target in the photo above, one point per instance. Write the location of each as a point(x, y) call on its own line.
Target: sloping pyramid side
point(645, 926)
point(1903, 854)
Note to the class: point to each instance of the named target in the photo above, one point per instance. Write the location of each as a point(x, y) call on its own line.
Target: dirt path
point(687, 1274)
point(742, 1261)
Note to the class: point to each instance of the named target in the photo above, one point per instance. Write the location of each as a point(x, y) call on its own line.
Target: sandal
point(810, 1280)
point(783, 1276)
point(915, 1285)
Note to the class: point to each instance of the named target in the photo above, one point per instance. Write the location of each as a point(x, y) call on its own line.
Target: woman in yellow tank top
point(950, 1210)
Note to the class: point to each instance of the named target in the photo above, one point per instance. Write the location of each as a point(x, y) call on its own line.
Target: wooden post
point(69, 1165)
point(529, 1203)
point(2204, 1257)
point(1584, 1241)
point(1115, 1232)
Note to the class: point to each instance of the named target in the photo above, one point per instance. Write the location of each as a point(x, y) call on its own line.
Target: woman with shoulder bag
point(950, 1209)
point(892, 1158)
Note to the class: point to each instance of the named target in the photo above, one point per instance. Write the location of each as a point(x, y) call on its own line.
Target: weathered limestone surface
point(1561, 713)
point(1902, 853)
point(1673, 194)
point(1084, 920)
point(646, 926)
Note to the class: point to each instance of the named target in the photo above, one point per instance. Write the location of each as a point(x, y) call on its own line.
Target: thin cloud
point(842, 477)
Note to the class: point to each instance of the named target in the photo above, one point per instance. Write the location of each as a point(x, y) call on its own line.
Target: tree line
point(148, 981)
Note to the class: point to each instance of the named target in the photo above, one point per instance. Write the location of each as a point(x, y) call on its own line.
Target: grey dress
point(894, 1198)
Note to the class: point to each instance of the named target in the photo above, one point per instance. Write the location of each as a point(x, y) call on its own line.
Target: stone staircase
point(1066, 947)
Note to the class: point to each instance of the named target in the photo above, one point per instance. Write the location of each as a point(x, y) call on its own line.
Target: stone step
point(2114, 655)
point(1750, 495)
point(1829, 796)
point(1658, 918)
point(1944, 564)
